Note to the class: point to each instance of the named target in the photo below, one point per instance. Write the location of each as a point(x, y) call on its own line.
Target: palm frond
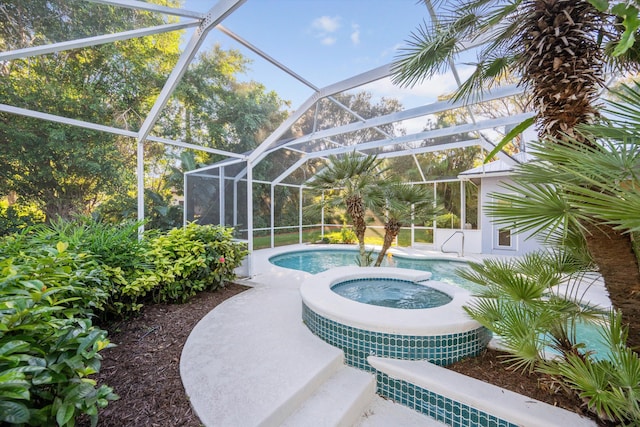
point(487, 73)
point(426, 55)
point(538, 208)
point(592, 382)
point(430, 48)
point(571, 241)
point(600, 182)
point(520, 334)
point(486, 311)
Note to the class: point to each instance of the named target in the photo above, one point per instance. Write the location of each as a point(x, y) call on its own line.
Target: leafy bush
point(163, 267)
point(48, 346)
point(192, 259)
point(65, 267)
point(14, 218)
point(448, 220)
point(345, 235)
point(115, 249)
point(53, 280)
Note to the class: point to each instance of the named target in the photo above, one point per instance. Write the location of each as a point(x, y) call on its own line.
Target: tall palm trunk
point(562, 64)
point(355, 209)
point(613, 252)
point(391, 230)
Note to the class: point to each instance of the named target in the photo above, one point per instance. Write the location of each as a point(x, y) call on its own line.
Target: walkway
point(252, 362)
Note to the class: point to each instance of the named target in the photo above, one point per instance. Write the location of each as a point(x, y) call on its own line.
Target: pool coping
point(474, 395)
point(449, 318)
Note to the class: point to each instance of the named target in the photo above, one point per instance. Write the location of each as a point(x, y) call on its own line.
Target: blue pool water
point(319, 260)
point(393, 293)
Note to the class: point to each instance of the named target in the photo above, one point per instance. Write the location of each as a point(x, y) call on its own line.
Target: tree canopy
point(68, 170)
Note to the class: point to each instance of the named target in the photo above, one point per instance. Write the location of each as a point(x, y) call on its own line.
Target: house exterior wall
point(521, 243)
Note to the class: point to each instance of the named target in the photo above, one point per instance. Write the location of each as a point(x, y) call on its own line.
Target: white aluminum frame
point(203, 24)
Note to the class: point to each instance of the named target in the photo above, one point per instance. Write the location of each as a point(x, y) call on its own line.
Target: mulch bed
point(144, 368)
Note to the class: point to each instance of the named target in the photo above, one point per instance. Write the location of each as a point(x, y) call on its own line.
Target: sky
point(325, 41)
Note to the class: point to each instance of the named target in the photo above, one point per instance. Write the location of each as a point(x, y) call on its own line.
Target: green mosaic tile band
point(436, 406)
point(358, 344)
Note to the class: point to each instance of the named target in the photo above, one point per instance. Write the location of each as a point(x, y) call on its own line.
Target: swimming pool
point(315, 261)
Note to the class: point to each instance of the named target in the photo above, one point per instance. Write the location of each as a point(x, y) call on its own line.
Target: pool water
point(393, 293)
point(319, 260)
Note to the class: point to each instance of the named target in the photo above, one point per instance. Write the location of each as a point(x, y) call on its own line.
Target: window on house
point(504, 237)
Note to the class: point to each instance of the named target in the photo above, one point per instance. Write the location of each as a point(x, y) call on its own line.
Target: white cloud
point(324, 29)
point(326, 24)
point(425, 93)
point(355, 34)
point(328, 41)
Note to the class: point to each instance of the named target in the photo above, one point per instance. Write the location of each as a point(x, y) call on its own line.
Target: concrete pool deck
point(252, 362)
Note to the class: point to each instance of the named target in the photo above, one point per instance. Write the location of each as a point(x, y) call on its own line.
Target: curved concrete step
point(338, 402)
point(252, 361)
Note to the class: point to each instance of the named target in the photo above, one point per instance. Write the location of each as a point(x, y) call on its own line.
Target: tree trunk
point(56, 207)
point(391, 230)
point(613, 253)
point(355, 209)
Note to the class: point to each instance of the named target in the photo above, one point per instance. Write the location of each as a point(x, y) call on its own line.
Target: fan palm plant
point(579, 189)
point(609, 387)
point(404, 203)
point(535, 304)
point(561, 49)
point(355, 178)
point(532, 303)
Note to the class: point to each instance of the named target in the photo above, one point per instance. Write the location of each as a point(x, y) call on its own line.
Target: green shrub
point(346, 235)
point(192, 259)
point(48, 346)
point(53, 280)
point(162, 267)
point(15, 218)
point(115, 249)
point(81, 271)
point(448, 220)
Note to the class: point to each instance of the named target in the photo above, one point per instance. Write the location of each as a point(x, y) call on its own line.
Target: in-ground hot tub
point(441, 335)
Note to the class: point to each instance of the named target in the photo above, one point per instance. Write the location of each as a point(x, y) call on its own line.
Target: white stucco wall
point(521, 244)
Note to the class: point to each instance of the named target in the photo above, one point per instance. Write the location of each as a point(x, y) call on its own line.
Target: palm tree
point(355, 177)
point(561, 49)
point(588, 184)
point(404, 203)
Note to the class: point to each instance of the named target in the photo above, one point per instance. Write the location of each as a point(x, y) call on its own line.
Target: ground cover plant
point(58, 280)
